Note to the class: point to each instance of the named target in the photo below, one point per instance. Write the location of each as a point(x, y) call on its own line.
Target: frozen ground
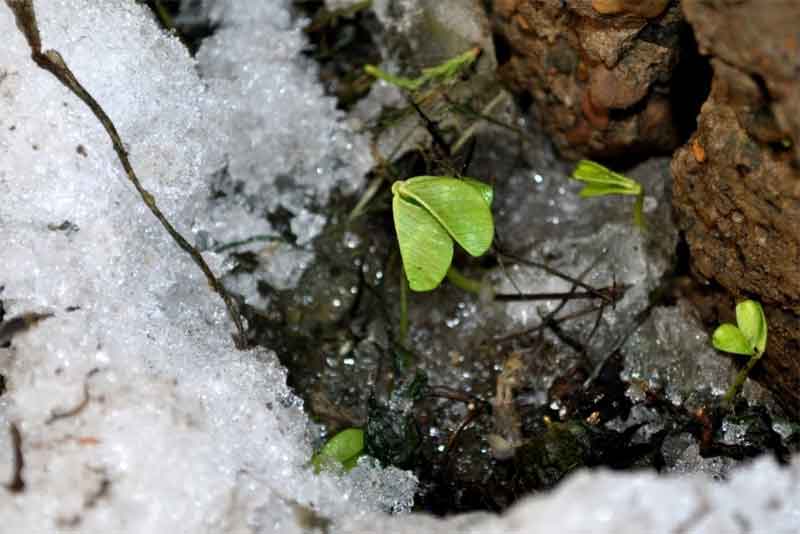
point(135, 411)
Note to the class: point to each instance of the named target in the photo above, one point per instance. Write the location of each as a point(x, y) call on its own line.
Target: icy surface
point(136, 413)
point(286, 146)
point(763, 498)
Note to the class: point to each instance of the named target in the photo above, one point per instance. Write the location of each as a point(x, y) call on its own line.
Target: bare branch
point(52, 61)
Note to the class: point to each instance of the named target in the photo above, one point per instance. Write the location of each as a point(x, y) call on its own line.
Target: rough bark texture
point(598, 71)
point(737, 181)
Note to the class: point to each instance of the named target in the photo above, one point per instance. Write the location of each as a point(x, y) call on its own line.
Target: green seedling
point(601, 181)
point(430, 212)
point(747, 337)
point(441, 73)
point(344, 448)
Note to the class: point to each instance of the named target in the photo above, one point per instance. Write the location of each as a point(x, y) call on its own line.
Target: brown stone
point(610, 89)
point(608, 7)
point(698, 151)
point(598, 83)
point(735, 191)
point(505, 8)
point(596, 117)
point(643, 8)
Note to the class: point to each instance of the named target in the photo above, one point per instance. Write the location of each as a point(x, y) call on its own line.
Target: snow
point(180, 431)
point(136, 413)
point(763, 498)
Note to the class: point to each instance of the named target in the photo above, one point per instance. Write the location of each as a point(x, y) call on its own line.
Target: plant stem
point(469, 132)
point(469, 285)
point(733, 391)
point(403, 308)
point(638, 211)
point(372, 189)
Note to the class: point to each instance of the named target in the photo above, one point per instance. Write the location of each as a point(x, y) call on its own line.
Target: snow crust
point(136, 413)
point(762, 498)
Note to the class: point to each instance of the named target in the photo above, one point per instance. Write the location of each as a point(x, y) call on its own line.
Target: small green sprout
point(748, 338)
point(601, 181)
point(344, 448)
point(430, 212)
point(441, 73)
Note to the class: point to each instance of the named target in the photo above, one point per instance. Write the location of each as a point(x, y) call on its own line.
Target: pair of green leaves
point(344, 448)
point(601, 181)
point(749, 336)
point(430, 212)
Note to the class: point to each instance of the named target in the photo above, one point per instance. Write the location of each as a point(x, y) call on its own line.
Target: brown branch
point(51, 60)
point(19, 324)
point(17, 484)
point(608, 294)
point(546, 322)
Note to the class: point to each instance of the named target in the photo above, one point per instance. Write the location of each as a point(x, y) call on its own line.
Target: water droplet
point(351, 240)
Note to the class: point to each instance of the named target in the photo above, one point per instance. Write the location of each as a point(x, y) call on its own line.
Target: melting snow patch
point(136, 414)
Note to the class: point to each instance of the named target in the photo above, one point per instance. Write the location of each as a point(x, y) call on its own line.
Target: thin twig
point(638, 321)
point(17, 484)
point(547, 322)
point(444, 392)
point(51, 60)
point(608, 294)
point(555, 272)
point(19, 324)
point(471, 416)
point(433, 129)
point(55, 415)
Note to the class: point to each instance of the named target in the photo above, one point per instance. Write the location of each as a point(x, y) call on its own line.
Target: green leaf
point(728, 338)
point(345, 448)
point(442, 73)
point(595, 174)
point(601, 190)
point(486, 190)
point(425, 246)
point(753, 324)
point(460, 208)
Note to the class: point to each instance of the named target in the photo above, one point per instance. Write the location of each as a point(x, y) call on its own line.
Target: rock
point(765, 45)
point(643, 8)
point(599, 74)
point(737, 184)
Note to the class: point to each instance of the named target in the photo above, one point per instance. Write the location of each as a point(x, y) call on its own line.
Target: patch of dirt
point(737, 180)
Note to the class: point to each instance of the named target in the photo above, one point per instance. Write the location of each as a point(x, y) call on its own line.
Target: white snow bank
point(180, 433)
point(760, 499)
